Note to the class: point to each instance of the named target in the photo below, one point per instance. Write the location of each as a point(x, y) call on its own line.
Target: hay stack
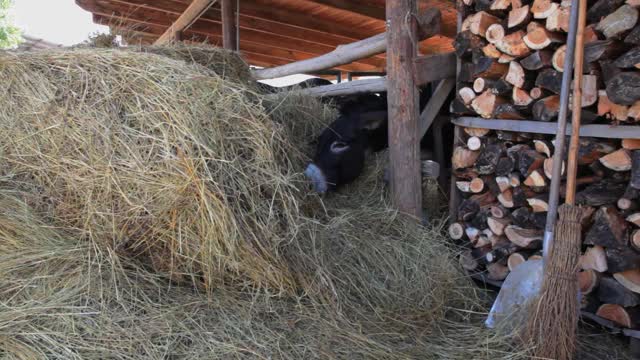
point(154, 158)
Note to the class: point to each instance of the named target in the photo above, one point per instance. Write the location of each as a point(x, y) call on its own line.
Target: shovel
point(523, 284)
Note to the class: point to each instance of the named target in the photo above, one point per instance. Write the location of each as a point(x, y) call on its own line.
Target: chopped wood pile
point(504, 180)
point(513, 53)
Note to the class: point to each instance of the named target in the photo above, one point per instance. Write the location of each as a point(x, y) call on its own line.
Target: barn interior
point(157, 206)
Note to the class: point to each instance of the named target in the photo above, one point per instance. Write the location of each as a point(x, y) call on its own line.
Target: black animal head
point(340, 152)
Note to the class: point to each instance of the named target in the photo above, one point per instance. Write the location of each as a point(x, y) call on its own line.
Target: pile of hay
point(154, 208)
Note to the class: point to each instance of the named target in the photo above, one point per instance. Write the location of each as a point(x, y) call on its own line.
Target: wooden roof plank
point(353, 7)
point(188, 17)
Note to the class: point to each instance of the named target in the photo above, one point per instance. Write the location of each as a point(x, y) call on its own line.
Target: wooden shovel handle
point(572, 163)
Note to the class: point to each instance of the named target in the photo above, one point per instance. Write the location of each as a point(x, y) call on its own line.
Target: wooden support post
point(229, 25)
point(402, 98)
point(188, 17)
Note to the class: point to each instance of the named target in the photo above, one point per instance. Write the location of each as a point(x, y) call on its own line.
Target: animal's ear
point(373, 119)
point(338, 147)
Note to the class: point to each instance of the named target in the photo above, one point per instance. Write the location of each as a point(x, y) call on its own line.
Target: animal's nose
point(317, 178)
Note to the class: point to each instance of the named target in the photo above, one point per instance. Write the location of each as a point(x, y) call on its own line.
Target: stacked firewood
point(504, 180)
point(513, 52)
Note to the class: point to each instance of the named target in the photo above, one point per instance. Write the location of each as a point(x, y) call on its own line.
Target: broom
point(553, 323)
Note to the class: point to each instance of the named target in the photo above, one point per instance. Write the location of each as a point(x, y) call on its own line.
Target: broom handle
point(572, 163)
point(561, 133)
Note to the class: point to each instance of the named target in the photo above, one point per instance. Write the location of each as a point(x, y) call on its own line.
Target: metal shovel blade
point(520, 287)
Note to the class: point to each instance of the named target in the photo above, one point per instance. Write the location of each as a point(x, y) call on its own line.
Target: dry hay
point(129, 177)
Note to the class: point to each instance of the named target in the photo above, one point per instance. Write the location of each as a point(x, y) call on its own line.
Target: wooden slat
point(435, 103)
point(188, 17)
point(354, 7)
point(601, 131)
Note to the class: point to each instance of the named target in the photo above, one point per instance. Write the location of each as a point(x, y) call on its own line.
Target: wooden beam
point(373, 12)
point(592, 130)
point(229, 26)
point(402, 100)
point(188, 17)
point(445, 63)
point(435, 103)
point(125, 16)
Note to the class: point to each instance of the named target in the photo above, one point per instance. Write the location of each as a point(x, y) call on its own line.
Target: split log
point(498, 211)
point(484, 200)
point(524, 238)
point(601, 9)
point(635, 169)
point(504, 167)
point(538, 37)
point(542, 9)
point(514, 45)
point(619, 160)
point(612, 292)
point(590, 34)
point(467, 95)
point(514, 179)
point(587, 281)
point(630, 279)
point(629, 60)
point(488, 68)
point(486, 103)
point(601, 193)
point(537, 60)
point(521, 97)
point(491, 51)
point(501, 252)
point(500, 4)
point(488, 160)
point(592, 150)
point(536, 93)
point(515, 259)
point(609, 229)
point(594, 258)
point(546, 109)
point(589, 90)
point(503, 183)
point(498, 225)
point(602, 49)
point(481, 21)
point(548, 168)
point(468, 261)
point(627, 318)
point(557, 60)
point(535, 180)
point(497, 272)
point(529, 161)
point(474, 143)
point(635, 240)
point(608, 71)
point(634, 112)
point(621, 259)
point(624, 88)
point(515, 75)
point(549, 79)
point(618, 22)
point(466, 43)
point(456, 231)
point(472, 234)
point(634, 219)
point(506, 199)
point(495, 33)
point(627, 201)
point(477, 132)
point(634, 36)
point(518, 17)
point(463, 157)
point(544, 147)
point(559, 20)
point(538, 205)
point(505, 59)
point(631, 144)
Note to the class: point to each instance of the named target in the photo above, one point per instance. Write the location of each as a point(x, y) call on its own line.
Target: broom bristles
point(553, 322)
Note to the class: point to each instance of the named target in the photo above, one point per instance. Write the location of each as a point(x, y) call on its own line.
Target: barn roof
point(272, 32)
